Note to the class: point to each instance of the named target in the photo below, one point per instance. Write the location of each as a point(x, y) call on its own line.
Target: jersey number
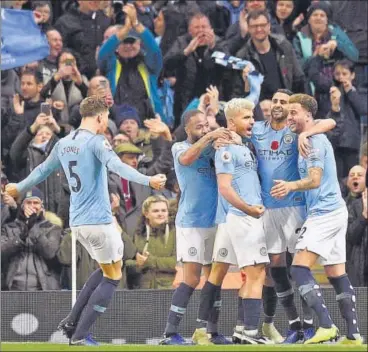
point(75, 176)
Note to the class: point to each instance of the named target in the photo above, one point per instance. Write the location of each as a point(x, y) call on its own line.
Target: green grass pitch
point(145, 348)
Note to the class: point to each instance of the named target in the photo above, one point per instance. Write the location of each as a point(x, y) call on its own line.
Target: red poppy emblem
point(275, 145)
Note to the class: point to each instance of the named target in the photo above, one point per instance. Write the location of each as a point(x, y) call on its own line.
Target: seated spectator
point(25, 108)
point(48, 66)
point(272, 55)
point(132, 75)
point(30, 149)
point(67, 84)
point(132, 195)
point(353, 105)
point(320, 44)
point(85, 264)
point(190, 58)
point(355, 183)
point(155, 241)
point(82, 28)
point(29, 246)
point(357, 242)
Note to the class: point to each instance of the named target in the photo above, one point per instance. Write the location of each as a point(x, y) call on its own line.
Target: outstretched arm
point(39, 174)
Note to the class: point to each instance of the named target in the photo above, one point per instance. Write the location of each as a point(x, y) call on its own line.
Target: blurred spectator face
point(255, 5)
point(45, 12)
point(259, 29)
point(235, 3)
point(129, 48)
point(157, 214)
point(130, 127)
point(266, 109)
point(98, 85)
point(32, 65)
point(86, 6)
point(110, 31)
point(159, 24)
point(318, 21)
point(29, 87)
point(108, 135)
point(17, 4)
point(199, 25)
point(43, 135)
point(197, 127)
point(33, 203)
point(356, 179)
point(55, 42)
point(130, 159)
point(67, 60)
point(119, 139)
point(284, 8)
point(343, 74)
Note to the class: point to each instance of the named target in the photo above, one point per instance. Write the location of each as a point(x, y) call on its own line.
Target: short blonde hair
point(307, 102)
point(92, 106)
point(237, 104)
point(153, 199)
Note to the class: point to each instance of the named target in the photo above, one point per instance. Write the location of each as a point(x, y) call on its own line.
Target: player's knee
point(218, 273)
point(256, 273)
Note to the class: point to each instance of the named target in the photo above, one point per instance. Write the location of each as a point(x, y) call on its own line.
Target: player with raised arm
point(195, 220)
point(322, 235)
point(240, 240)
point(85, 155)
point(276, 148)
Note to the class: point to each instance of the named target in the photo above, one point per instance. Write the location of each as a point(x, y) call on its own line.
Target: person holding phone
point(67, 84)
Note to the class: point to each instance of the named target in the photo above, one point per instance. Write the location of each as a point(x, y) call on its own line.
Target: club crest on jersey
point(107, 145)
point(263, 251)
point(288, 139)
point(226, 157)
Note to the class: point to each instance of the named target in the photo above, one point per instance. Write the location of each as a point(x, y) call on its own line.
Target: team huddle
point(249, 193)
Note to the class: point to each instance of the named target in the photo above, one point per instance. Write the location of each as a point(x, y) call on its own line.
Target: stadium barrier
point(137, 316)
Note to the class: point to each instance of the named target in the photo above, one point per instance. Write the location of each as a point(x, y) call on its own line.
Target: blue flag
point(21, 40)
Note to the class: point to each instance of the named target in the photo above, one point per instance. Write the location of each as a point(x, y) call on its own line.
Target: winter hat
point(34, 193)
point(325, 6)
point(126, 112)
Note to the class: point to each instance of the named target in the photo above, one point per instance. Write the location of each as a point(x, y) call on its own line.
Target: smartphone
point(46, 109)
point(103, 83)
point(69, 62)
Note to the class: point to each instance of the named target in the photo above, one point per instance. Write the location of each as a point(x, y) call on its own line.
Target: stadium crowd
point(151, 63)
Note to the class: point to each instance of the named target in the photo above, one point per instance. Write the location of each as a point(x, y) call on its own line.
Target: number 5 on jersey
point(74, 175)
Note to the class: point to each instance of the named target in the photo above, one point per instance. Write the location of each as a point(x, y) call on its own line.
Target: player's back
point(198, 186)
point(87, 178)
point(277, 154)
point(327, 197)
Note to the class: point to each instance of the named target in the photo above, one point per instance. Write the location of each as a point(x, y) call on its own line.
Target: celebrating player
point(276, 148)
point(241, 239)
point(322, 236)
point(195, 220)
point(85, 155)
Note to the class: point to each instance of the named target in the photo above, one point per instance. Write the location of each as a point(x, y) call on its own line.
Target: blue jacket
point(149, 70)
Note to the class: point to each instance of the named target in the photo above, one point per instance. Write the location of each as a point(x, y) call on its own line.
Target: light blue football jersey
point(222, 210)
point(239, 161)
point(85, 158)
point(277, 154)
point(327, 197)
point(197, 182)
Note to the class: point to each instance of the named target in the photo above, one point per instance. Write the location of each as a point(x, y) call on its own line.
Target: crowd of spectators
point(151, 61)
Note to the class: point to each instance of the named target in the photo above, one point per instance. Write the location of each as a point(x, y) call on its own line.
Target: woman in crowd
point(67, 84)
point(155, 240)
